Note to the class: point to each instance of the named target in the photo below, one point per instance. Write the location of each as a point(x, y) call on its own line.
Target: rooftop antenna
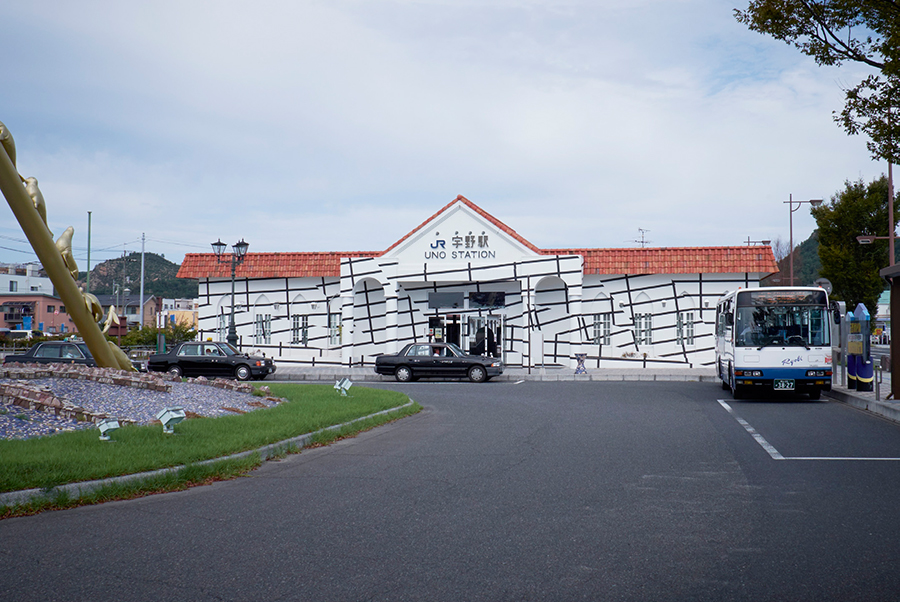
point(643, 242)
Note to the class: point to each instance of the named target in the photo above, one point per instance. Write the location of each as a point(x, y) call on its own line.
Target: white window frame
point(334, 329)
point(602, 329)
point(643, 328)
point(223, 326)
point(300, 330)
point(263, 329)
point(684, 328)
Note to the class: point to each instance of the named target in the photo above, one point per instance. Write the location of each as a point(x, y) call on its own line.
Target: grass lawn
point(72, 457)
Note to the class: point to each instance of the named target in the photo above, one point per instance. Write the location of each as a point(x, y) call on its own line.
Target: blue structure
point(860, 370)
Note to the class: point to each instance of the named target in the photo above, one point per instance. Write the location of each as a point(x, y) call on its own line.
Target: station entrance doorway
point(476, 335)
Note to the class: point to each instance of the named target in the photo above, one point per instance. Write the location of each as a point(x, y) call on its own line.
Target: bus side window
point(729, 322)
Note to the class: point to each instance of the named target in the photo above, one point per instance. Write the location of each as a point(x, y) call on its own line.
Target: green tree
point(146, 337)
point(834, 31)
point(851, 267)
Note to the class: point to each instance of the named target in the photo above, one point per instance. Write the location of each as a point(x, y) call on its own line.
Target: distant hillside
point(159, 277)
point(806, 264)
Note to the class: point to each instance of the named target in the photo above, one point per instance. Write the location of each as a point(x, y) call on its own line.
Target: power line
point(17, 250)
point(178, 244)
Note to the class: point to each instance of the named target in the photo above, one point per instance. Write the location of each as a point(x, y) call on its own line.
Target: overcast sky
point(342, 125)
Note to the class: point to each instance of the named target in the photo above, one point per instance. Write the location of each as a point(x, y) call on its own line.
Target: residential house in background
point(128, 307)
point(28, 301)
point(178, 311)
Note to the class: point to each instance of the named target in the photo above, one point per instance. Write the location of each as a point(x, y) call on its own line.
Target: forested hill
point(159, 277)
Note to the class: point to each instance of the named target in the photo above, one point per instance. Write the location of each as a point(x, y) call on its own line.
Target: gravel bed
point(119, 402)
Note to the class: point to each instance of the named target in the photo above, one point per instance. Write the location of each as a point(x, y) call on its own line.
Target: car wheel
point(175, 370)
point(242, 372)
point(403, 374)
point(477, 374)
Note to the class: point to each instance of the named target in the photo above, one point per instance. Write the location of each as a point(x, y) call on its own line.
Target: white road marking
point(759, 438)
point(776, 455)
point(518, 382)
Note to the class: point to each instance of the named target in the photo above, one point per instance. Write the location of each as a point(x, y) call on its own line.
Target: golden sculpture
point(111, 318)
point(8, 144)
point(37, 199)
point(93, 305)
point(64, 246)
point(27, 204)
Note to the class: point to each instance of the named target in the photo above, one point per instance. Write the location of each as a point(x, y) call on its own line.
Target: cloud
point(342, 125)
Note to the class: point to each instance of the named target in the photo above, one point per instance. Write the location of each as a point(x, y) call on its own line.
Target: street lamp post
point(790, 202)
point(867, 240)
point(238, 253)
point(765, 243)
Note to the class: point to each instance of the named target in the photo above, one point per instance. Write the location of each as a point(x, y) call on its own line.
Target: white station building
point(465, 277)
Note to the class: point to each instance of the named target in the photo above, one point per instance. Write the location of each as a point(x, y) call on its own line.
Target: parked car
point(61, 352)
point(437, 359)
point(211, 359)
point(54, 352)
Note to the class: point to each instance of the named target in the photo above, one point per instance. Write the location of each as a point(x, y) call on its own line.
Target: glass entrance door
point(445, 329)
point(484, 336)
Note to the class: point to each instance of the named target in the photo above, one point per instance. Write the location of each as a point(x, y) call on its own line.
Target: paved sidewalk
point(867, 400)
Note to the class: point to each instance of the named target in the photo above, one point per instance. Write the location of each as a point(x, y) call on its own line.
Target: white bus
point(774, 339)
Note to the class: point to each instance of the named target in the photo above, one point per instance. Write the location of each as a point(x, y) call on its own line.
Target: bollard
point(878, 374)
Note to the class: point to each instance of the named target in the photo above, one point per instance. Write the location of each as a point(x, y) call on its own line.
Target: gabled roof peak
point(475, 208)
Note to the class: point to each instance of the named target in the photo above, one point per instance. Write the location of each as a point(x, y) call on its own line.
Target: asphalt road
point(502, 491)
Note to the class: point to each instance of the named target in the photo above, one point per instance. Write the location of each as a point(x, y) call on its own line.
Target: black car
point(437, 359)
point(211, 360)
point(55, 352)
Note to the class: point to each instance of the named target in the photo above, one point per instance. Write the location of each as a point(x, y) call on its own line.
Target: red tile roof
point(675, 260)
point(268, 265)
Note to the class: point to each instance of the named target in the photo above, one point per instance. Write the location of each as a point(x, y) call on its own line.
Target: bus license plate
point(784, 384)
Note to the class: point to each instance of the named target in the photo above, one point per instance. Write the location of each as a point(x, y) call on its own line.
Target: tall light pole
point(238, 253)
point(891, 228)
point(791, 201)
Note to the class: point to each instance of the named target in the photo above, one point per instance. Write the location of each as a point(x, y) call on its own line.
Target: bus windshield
point(782, 325)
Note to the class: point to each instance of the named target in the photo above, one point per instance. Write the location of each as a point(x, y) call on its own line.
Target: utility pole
point(87, 286)
point(141, 306)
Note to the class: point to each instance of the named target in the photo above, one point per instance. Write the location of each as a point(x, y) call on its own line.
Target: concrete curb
point(76, 490)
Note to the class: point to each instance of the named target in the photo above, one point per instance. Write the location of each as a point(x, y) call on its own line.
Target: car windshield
point(228, 349)
point(85, 350)
point(456, 349)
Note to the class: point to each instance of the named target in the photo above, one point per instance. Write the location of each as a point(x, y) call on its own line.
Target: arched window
point(643, 320)
point(262, 322)
point(684, 321)
point(299, 321)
